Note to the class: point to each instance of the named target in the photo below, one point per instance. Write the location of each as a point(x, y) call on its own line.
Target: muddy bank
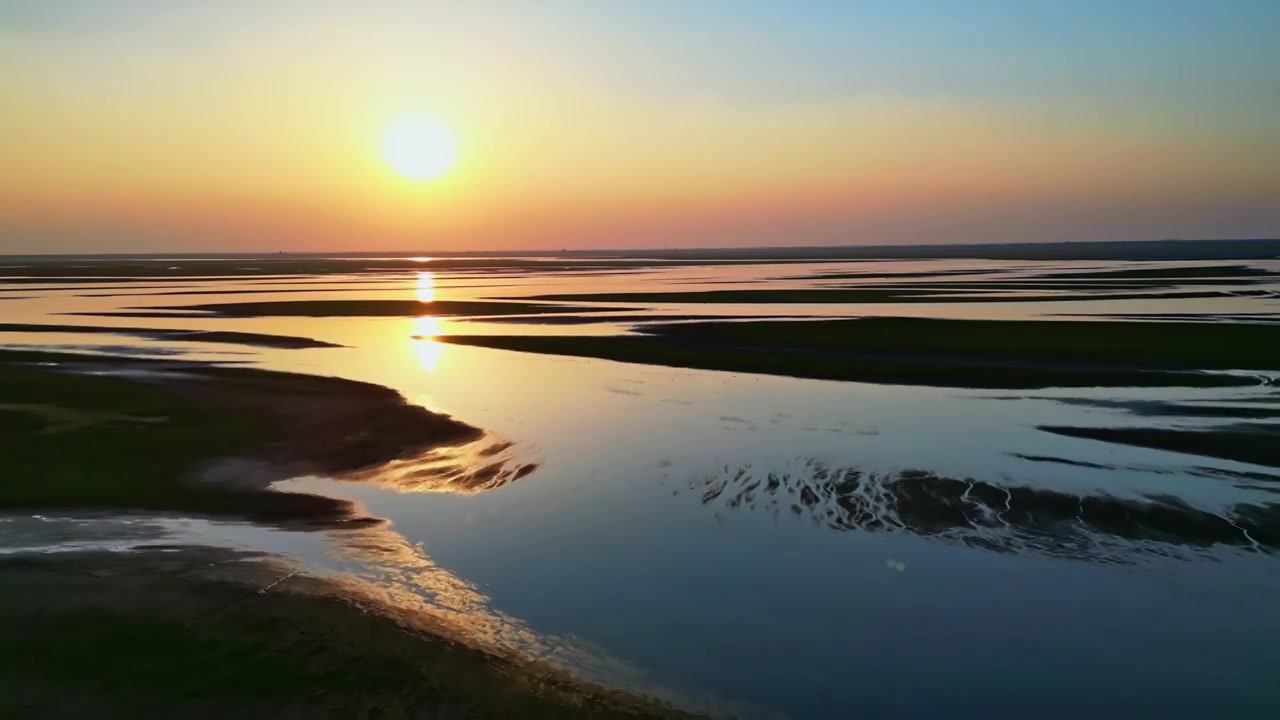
point(84, 432)
point(1093, 527)
point(922, 293)
point(215, 633)
point(893, 368)
point(289, 342)
point(919, 351)
point(354, 308)
point(1257, 443)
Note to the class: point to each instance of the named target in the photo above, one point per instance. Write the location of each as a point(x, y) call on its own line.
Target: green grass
point(113, 449)
point(93, 441)
point(129, 444)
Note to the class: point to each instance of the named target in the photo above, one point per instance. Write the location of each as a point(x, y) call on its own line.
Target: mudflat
point(210, 633)
point(936, 352)
point(87, 432)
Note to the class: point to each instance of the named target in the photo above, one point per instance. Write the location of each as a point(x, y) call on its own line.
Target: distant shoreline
point(1099, 250)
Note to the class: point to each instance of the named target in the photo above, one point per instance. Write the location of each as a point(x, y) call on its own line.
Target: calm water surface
point(772, 546)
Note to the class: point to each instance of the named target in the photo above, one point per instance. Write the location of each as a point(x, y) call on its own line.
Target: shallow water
point(799, 547)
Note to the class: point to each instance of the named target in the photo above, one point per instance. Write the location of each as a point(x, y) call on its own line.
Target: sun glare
point(426, 287)
point(425, 346)
point(419, 146)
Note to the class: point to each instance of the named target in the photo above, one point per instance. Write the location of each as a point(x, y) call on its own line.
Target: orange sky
point(253, 129)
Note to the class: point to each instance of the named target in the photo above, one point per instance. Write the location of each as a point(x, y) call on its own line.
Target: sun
point(419, 146)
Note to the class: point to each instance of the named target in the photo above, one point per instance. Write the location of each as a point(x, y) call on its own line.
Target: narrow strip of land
point(946, 353)
point(352, 308)
point(86, 432)
point(203, 336)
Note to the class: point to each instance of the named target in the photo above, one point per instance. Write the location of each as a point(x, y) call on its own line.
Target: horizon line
point(774, 249)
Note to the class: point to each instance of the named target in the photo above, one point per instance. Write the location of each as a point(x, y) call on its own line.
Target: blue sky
point(581, 104)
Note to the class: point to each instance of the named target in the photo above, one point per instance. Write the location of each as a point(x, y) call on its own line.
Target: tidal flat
point(211, 633)
point(173, 436)
point(947, 353)
point(681, 504)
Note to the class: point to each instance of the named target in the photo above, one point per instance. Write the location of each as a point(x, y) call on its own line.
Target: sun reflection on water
point(425, 331)
point(476, 467)
point(426, 287)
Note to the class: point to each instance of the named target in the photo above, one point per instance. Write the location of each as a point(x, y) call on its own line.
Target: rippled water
point(777, 545)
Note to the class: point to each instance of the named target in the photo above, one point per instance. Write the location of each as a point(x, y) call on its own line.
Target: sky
point(256, 125)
